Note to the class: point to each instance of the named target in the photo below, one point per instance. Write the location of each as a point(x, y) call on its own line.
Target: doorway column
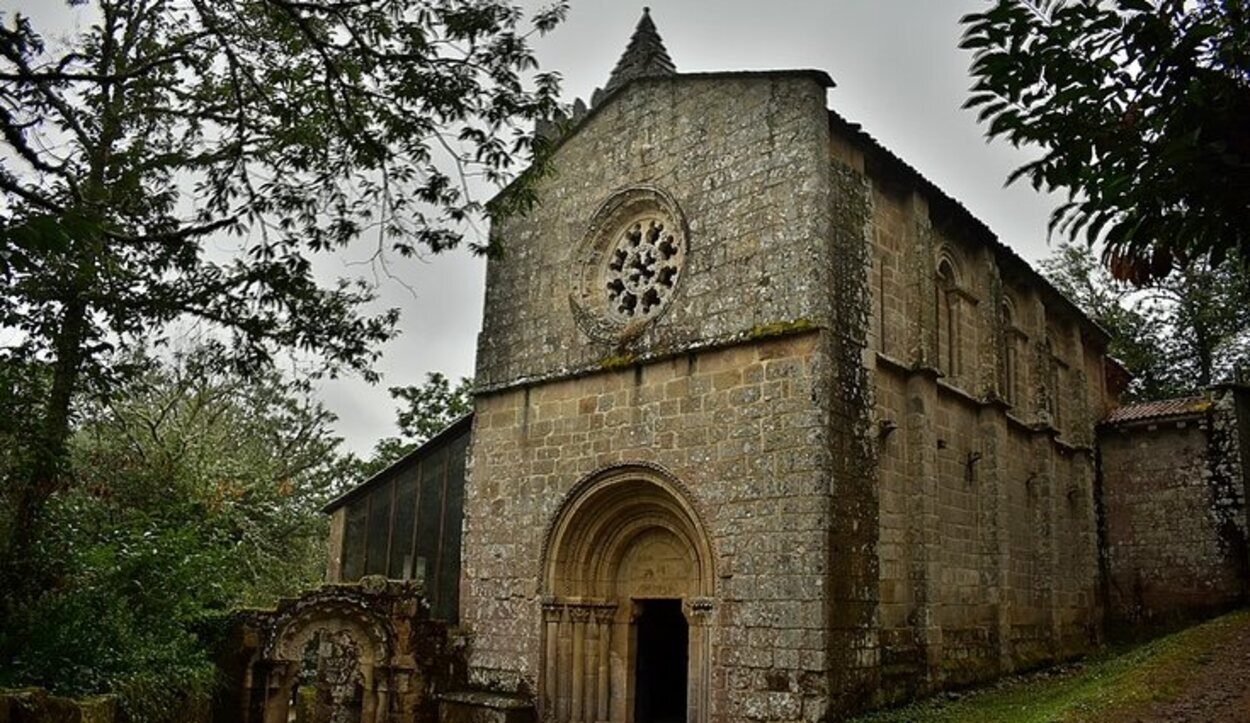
point(698, 612)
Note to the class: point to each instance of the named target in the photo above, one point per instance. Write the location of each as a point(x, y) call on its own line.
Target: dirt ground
point(1219, 692)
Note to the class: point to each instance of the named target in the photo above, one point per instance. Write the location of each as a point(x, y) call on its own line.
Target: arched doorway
point(628, 582)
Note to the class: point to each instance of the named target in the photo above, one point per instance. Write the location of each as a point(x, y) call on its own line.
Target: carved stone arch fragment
point(342, 647)
point(626, 547)
point(362, 652)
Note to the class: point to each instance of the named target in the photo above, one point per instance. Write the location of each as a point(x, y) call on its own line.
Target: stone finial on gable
point(644, 57)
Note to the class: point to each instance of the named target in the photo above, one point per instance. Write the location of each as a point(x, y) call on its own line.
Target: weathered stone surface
point(739, 448)
point(484, 707)
point(1174, 501)
point(745, 160)
point(33, 705)
point(986, 389)
point(880, 418)
point(366, 652)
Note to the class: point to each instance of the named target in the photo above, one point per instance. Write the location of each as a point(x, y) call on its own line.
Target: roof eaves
point(977, 224)
point(1162, 410)
point(443, 434)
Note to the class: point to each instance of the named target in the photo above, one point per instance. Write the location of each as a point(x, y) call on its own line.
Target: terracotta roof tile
point(1158, 409)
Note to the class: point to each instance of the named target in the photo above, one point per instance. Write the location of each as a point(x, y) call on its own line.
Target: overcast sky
point(898, 71)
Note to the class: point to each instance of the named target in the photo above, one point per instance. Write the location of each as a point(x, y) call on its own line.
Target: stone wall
point(737, 426)
point(848, 388)
point(986, 387)
point(1174, 502)
point(742, 156)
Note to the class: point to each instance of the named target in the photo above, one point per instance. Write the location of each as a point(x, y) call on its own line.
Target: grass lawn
point(1104, 686)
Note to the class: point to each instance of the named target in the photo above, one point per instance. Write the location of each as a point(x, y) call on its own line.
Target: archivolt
point(604, 515)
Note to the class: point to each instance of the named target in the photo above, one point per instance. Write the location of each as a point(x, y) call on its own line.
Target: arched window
point(1056, 382)
point(1011, 343)
point(947, 326)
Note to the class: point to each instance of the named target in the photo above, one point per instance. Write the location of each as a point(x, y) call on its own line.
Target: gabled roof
point(1158, 410)
point(646, 59)
point(461, 425)
point(564, 127)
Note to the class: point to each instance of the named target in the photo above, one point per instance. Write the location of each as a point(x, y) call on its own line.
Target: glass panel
point(354, 540)
point(401, 567)
point(429, 510)
point(447, 603)
point(379, 530)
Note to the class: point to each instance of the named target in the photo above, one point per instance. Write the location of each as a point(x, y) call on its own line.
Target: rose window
point(627, 269)
point(642, 269)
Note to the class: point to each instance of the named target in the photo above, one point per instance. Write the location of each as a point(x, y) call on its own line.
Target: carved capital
point(699, 609)
point(553, 611)
point(604, 612)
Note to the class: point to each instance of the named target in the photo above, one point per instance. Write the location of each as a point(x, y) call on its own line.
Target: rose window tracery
point(642, 270)
point(629, 264)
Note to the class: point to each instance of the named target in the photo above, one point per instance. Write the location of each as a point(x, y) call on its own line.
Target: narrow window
point(947, 319)
point(1056, 381)
point(1010, 354)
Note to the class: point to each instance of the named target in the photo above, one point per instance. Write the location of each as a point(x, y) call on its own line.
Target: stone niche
point(345, 653)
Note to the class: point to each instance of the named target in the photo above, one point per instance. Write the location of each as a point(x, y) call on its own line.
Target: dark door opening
point(660, 668)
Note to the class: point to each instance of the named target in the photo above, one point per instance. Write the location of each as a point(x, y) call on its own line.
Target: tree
point(1112, 304)
point(195, 490)
point(1176, 336)
point(428, 410)
point(431, 406)
point(1139, 108)
point(292, 127)
point(256, 451)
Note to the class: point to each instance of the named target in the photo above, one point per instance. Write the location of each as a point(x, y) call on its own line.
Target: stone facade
point(767, 428)
point(986, 387)
point(855, 444)
point(1175, 527)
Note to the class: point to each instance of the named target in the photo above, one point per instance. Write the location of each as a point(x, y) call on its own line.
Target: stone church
point(765, 414)
point(767, 427)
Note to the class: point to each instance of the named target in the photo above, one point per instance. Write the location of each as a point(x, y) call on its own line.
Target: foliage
point(293, 127)
point(431, 406)
point(255, 453)
point(195, 491)
point(123, 618)
point(428, 410)
point(1135, 333)
point(1140, 109)
point(1177, 335)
